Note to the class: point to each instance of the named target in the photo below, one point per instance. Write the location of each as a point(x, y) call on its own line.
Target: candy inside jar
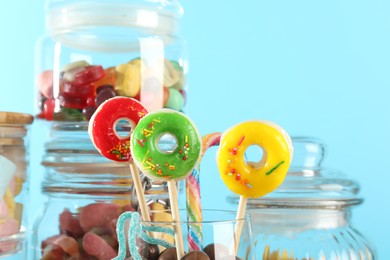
point(14, 180)
point(90, 56)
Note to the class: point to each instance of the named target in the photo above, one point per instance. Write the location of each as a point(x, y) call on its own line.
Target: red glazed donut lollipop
point(102, 127)
point(102, 131)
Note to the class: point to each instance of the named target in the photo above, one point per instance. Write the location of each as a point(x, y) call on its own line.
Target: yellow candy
point(171, 75)
point(10, 202)
point(254, 179)
point(128, 78)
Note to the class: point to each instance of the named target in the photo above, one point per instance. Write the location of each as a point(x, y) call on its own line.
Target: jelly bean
point(108, 79)
point(96, 246)
point(175, 100)
point(45, 83)
point(68, 244)
point(69, 224)
point(88, 75)
point(128, 79)
point(98, 215)
point(71, 90)
point(88, 112)
point(48, 109)
point(103, 93)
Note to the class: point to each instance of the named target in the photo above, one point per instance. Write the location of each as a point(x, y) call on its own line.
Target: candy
point(7, 171)
point(253, 179)
point(128, 79)
point(165, 165)
point(102, 127)
point(175, 99)
point(70, 224)
point(98, 215)
point(68, 244)
point(108, 79)
point(104, 93)
point(103, 133)
point(45, 83)
point(196, 255)
point(75, 65)
point(96, 246)
point(171, 74)
point(193, 203)
point(171, 165)
point(216, 251)
point(83, 91)
point(168, 254)
point(79, 82)
point(88, 75)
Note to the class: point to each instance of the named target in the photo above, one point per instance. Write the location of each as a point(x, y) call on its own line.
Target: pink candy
point(98, 215)
point(88, 234)
point(96, 246)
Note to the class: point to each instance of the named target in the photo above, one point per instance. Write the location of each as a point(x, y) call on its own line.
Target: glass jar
point(309, 215)
point(95, 50)
point(84, 192)
point(14, 188)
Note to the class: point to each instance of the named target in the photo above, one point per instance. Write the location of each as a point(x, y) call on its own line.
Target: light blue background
point(318, 68)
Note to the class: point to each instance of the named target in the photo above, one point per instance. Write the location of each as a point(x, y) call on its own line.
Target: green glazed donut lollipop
point(171, 164)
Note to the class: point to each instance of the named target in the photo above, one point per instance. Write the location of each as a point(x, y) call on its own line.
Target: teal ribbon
point(136, 228)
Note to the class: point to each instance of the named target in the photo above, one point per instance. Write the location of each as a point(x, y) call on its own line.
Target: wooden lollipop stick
point(139, 191)
point(240, 218)
point(176, 219)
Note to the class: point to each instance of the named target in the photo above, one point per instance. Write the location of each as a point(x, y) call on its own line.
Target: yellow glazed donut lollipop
point(253, 179)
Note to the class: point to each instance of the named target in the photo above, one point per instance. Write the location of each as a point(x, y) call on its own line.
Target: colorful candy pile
point(13, 176)
point(81, 87)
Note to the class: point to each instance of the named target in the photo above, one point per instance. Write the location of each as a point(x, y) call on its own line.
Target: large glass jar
point(98, 49)
point(84, 192)
point(309, 215)
point(14, 184)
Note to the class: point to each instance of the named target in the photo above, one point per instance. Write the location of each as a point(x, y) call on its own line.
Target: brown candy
point(216, 251)
point(168, 254)
point(196, 255)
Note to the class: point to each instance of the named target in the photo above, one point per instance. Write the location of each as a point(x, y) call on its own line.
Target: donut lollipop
point(253, 179)
point(163, 164)
point(103, 133)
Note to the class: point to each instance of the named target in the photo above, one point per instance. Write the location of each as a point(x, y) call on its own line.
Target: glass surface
point(95, 50)
point(14, 184)
point(217, 228)
point(309, 215)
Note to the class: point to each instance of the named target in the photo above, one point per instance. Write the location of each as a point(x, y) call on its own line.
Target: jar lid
point(308, 184)
point(13, 118)
point(111, 26)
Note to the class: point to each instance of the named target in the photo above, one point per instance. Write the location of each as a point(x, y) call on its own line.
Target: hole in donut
point(166, 143)
point(254, 155)
point(122, 127)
